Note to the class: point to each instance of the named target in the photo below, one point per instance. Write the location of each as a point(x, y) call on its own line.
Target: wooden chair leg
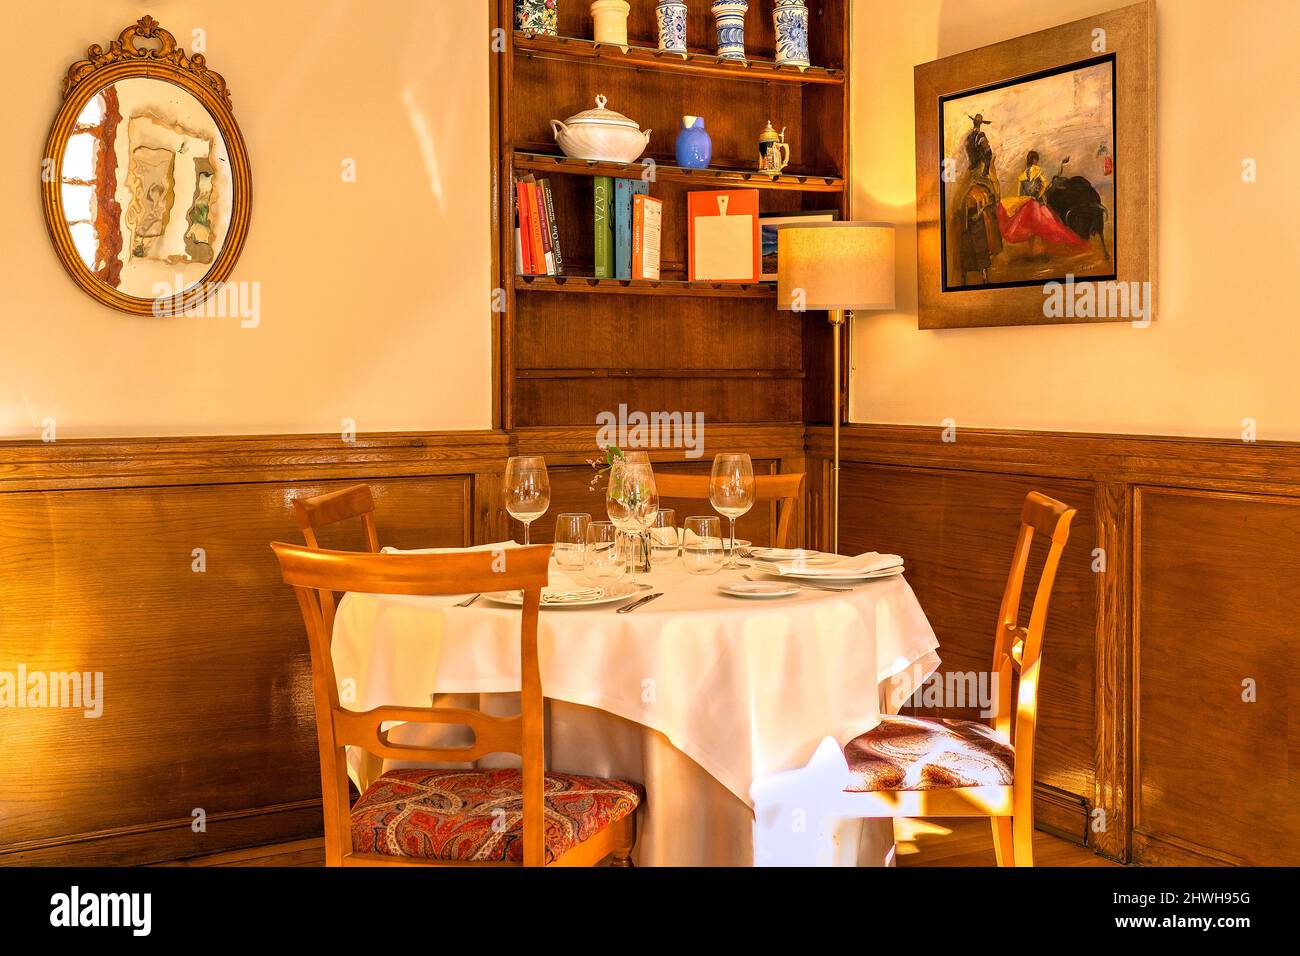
point(1002, 841)
point(1022, 829)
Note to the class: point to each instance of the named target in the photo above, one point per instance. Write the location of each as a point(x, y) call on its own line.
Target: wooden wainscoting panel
point(1217, 584)
point(206, 681)
point(956, 531)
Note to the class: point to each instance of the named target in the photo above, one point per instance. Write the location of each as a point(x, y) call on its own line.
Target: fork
point(468, 601)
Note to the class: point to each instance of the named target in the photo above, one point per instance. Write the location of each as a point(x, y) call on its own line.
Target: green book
point(604, 245)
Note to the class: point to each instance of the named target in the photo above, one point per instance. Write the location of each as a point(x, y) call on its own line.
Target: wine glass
point(571, 540)
point(702, 544)
point(731, 491)
point(665, 538)
point(602, 560)
point(527, 489)
point(632, 502)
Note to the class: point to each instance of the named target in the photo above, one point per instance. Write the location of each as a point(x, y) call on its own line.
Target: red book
point(525, 225)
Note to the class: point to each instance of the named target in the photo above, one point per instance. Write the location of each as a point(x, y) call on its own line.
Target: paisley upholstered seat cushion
point(449, 814)
point(913, 753)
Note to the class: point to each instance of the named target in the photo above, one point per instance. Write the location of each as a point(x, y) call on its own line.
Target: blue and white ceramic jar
point(671, 17)
point(791, 20)
point(694, 146)
point(537, 16)
point(730, 18)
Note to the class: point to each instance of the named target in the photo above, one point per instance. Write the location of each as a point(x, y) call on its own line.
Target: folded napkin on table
point(870, 562)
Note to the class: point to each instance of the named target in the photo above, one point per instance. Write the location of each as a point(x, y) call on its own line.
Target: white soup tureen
point(602, 135)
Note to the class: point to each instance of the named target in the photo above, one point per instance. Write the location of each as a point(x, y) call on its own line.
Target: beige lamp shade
point(835, 265)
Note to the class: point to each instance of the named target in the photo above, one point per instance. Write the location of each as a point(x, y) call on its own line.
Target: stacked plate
point(801, 565)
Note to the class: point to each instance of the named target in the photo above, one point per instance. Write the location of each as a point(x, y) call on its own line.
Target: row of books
point(628, 229)
point(537, 235)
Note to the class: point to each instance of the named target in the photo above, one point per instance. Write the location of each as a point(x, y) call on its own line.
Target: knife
point(636, 604)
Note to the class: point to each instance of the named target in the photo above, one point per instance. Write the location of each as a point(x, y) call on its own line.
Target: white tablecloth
point(743, 688)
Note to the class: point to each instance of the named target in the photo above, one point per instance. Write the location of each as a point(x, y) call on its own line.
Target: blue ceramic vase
point(694, 146)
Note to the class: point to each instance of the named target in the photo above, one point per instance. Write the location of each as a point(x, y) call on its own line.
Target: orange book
point(539, 250)
point(647, 235)
point(725, 244)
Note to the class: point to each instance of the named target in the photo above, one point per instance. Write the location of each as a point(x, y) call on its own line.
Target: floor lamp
point(835, 267)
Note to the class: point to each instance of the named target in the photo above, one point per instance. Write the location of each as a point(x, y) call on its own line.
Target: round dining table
point(696, 695)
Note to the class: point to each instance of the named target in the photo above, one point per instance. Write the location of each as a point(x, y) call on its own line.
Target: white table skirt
point(697, 695)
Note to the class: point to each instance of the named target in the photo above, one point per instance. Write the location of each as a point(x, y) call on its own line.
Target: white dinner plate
point(823, 577)
point(792, 554)
point(759, 589)
point(609, 595)
point(694, 543)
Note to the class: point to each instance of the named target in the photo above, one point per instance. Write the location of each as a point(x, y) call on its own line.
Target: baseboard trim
point(168, 840)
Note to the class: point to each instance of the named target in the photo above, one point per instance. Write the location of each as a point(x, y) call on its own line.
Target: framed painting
point(1035, 170)
point(770, 222)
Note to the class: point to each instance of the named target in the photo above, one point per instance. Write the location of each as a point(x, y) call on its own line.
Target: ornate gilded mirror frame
point(167, 62)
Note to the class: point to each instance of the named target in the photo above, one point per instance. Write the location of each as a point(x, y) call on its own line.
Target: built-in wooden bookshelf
point(572, 346)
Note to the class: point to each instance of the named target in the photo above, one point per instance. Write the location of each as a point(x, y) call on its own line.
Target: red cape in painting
point(1031, 218)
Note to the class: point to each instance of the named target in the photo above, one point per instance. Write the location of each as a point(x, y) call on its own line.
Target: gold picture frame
point(980, 264)
point(64, 194)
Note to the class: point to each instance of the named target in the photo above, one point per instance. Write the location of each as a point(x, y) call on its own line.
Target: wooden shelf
point(663, 172)
point(666, 287)
point(666, 373)
point(647, 58)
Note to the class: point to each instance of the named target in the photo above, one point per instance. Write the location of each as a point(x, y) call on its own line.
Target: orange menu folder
point(724, 235)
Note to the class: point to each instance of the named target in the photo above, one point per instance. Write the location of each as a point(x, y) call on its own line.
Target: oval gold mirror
point(145, 183)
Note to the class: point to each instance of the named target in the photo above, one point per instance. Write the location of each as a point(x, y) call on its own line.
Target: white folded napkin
point(563, 589)
point(869, 562)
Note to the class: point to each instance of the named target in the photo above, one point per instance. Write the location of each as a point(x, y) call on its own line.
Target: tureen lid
point(602, 117)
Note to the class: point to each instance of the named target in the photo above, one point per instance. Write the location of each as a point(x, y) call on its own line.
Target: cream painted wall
point(1226, 342)
point(375, 295)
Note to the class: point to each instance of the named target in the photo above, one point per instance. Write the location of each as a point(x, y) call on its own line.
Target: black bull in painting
point(1078, 204)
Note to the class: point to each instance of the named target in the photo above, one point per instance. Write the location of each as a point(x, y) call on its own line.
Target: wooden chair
point(335, 506)
point(507, 816)
point(920, 767)
point(786, 490)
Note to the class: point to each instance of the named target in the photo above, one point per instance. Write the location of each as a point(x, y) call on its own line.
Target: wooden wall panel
point(1218, 604)
point(956, 531)
point(207, 700)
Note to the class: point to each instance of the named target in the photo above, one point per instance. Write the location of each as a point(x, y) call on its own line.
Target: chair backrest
point(355, 502)
point(1018, 650)
point(785, 490)
point(314, 572)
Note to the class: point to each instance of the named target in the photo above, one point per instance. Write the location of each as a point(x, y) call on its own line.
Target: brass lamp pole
point(835, 267)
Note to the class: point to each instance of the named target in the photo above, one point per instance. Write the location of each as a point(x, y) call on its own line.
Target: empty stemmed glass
point(632, 503)
point(731, 491)
point(527, 489)
point(571, 540)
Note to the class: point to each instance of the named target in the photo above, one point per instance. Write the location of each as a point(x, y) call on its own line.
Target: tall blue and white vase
point(671, 17)
point(791, 20)
point(730, 18)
